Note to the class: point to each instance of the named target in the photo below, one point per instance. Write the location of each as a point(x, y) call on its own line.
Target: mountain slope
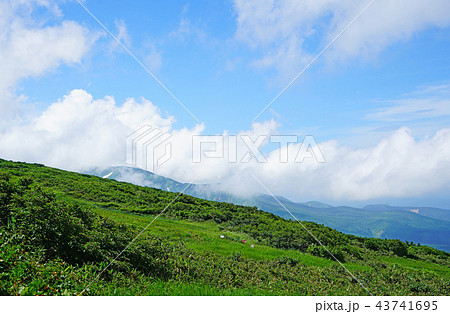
point(391, 224)
point(425, 225)
point(59, 230)
point(432, 212)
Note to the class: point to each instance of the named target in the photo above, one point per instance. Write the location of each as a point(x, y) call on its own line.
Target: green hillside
point(59, 230)
point(426, 225)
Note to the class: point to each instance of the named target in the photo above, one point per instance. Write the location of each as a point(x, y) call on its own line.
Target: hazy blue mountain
point(432, 212)
point(399, 224)
point(425, 225)
point(317, 204)
point(140, 177)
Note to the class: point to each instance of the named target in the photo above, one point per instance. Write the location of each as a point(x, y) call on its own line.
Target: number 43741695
point(407, 305)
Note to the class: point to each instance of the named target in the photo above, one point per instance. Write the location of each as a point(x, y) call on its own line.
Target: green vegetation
point(426, 225)
point(59, 230)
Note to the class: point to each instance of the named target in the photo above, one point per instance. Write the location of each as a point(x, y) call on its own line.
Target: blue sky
point(212, 74)
point(387, 76)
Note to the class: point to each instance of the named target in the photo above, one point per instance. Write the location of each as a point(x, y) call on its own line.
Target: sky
point(78, 77)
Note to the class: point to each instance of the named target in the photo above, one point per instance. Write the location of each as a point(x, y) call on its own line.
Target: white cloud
point(397, 166)
point(153, 59)
point(80, 133)
point(211, 170)
point(387, 22)
point(186, 29)
point(29, 49)
point(430, 102)
point(122, 34)
point(290, 32)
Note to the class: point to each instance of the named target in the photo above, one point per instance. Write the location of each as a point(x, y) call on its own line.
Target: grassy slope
point(204, 237)
point(201, 263)
point(431, 227)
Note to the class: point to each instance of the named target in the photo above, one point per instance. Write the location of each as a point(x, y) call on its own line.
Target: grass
point(171, 287)
point(205, 237)
point(442, 270)
point(58, 231)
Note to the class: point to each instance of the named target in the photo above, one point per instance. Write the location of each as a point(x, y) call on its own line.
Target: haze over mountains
point(425, 225)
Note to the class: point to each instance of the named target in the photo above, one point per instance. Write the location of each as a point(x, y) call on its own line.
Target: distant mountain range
point(425, 225)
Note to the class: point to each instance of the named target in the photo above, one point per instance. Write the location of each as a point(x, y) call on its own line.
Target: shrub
point(321, 251)
point(398, 247)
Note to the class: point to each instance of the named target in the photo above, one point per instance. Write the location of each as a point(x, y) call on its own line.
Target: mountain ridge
point(425, 225)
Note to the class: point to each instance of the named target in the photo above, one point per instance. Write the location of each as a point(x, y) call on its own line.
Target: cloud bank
point(81, 133)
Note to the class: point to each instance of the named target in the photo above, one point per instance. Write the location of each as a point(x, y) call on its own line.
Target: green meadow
point(63, 233)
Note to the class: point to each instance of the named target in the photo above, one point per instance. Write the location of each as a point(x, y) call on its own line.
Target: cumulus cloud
point(184, 163)
point(30, 49)
point(290, 32)
point(397, 166)
point(80, 133)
